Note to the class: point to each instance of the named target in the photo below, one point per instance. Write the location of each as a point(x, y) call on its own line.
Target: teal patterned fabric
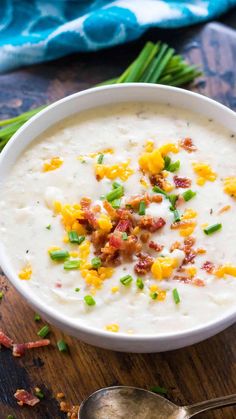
point(33, 31)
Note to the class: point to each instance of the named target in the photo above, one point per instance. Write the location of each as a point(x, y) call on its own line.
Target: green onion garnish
point(43, 332)
point(176, 296)
point(116, 185)
point(77, 289)
point(89, 300)
point(124, 236)
point(75, 238)
point(62, 346)
point(96, 262)
point(172, 198)
point(159, 190)
point(48, 227)
point(167, 161)
point(176, 216)
point(116, 193)
point(116, 203)
point(212, 229)
point(126, 280)
point(139, 283)
point(39, 394)
point(10, 417)
point(58, 254)
point(189, 194)
point(142, 208)
point(37, 317)
point(1, 295)
point(158, 390)
point(72, 264)
point(102, 197)
point(154, 295)
point(173, 167)
point(100, 158)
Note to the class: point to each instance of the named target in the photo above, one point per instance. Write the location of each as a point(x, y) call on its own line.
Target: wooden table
point(202, 371)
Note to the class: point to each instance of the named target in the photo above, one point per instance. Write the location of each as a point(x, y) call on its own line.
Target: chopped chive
point(176, 215)
point(124, 236)
point(176, 296)
point(159, 190)
point(116, 193)
point(72, 264)
point(1, 295)
point(10, 417)
point(39, 394)
point(43, 332)
point(59, 254)
point(100, 158)
point(172, 198)
point(96, 262)
point(48, 227)
point(75, 238)
point(154, 295)
point(77, 289)
point(62, 346)
point(126, 280)
point(189, 194)
point(116, 185)
point(173, 167)
point(212, 229)
point(158, 390)
point(89, 300)
point(116, 203)
point(102, 197)
point(142, 208)
point(37, 317)
point(139, 283)
point(167, 161)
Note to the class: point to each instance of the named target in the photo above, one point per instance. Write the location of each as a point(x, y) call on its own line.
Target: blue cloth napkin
point(33, 31)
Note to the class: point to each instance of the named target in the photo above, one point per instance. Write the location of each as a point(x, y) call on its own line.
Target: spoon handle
point(194, 409)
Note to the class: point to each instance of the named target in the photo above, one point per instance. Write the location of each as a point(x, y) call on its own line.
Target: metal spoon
point(123, 402)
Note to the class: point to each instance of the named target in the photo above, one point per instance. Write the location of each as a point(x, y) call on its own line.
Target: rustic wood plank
point(205, 370)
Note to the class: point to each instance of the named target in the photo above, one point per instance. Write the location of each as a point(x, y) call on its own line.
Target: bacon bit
point(124, 214)
point(182, 182)
point(96, 208)
point(150, 223)
point(72, 411)
point(98, 239)
point(187, 144)
point(224, 209)
point(144, 264)
point(135, 201)
point(58, 284)
point(208, 267)
point(183, 223)
point(115, 241)
point(85, 203)
point(110, 210)
point(155, 246)
point(198, 282)
point(24, 397)
point(20, 348)
point(90, 217)
point(156, 198)
point(175, 245)
point(60, 395)
point(189, 258)
point(189, 241)
point(130, 246)
point(157, 180)
point(144, 237)
point(192, 281)
point(123, 226)
point(5, 340)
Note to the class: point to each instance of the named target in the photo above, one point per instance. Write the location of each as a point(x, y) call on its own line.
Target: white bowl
point(85, 100)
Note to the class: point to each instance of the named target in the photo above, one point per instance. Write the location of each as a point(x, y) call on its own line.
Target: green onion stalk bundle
point(156, 63)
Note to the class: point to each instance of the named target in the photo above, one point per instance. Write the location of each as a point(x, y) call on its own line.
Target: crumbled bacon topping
point(182, 182)
point(187, 144)
point(20, 348)
point(155, 246)
point(208, 266)
point(85, 203)
point(5, 340)
point(187, 280)
point(157, 180)
point(24, 397)
point(144, 264)
point(151, 224)
point(90, 218)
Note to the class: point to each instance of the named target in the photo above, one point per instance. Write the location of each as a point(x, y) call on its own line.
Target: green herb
point(167, 161)
point(187, 195)
point(48, 227)
point(39, 394)
point(154, 295)
point(37, 317)
point(116, 203)
point(58, 254)
point(102, 197)
point(96, 262)
point(1, 295)
point(142, 208)
point(176, 296)
point(139, 283)
point(116, 193)
point(77, 289)
point(174, 167)
point(100, 158)
point(72, 264)
point(159, 190)
point(156, 63)
point(126, 280)
point(172, 198)
point(176, 216)
point(159, 390)
point(124, 236)
point(10, 417)
point(212, 229)
point(75, 238)
point(62, 346)
point(89, 300)
point(116, 185)
point(43, 332)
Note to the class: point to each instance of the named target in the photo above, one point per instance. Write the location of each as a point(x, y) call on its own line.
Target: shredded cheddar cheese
point(230, 186)
point(26, 272)
point(163, 267)
point(113, 328)
point(105, 223)
point(225, 270)
point(52, 164)
point(152, 162)
point(119, 170)
point(204, 173)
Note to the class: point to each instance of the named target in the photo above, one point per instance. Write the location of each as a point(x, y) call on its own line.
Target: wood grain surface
point(202, 371)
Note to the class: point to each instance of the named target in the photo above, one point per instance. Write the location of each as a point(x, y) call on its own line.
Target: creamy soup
point(123, 218)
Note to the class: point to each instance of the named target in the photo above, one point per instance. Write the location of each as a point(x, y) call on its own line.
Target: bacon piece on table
point(5, 340)
point(24, 397)
point(20, 348)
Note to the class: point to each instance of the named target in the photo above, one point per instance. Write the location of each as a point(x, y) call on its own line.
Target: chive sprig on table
point(156, 63)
